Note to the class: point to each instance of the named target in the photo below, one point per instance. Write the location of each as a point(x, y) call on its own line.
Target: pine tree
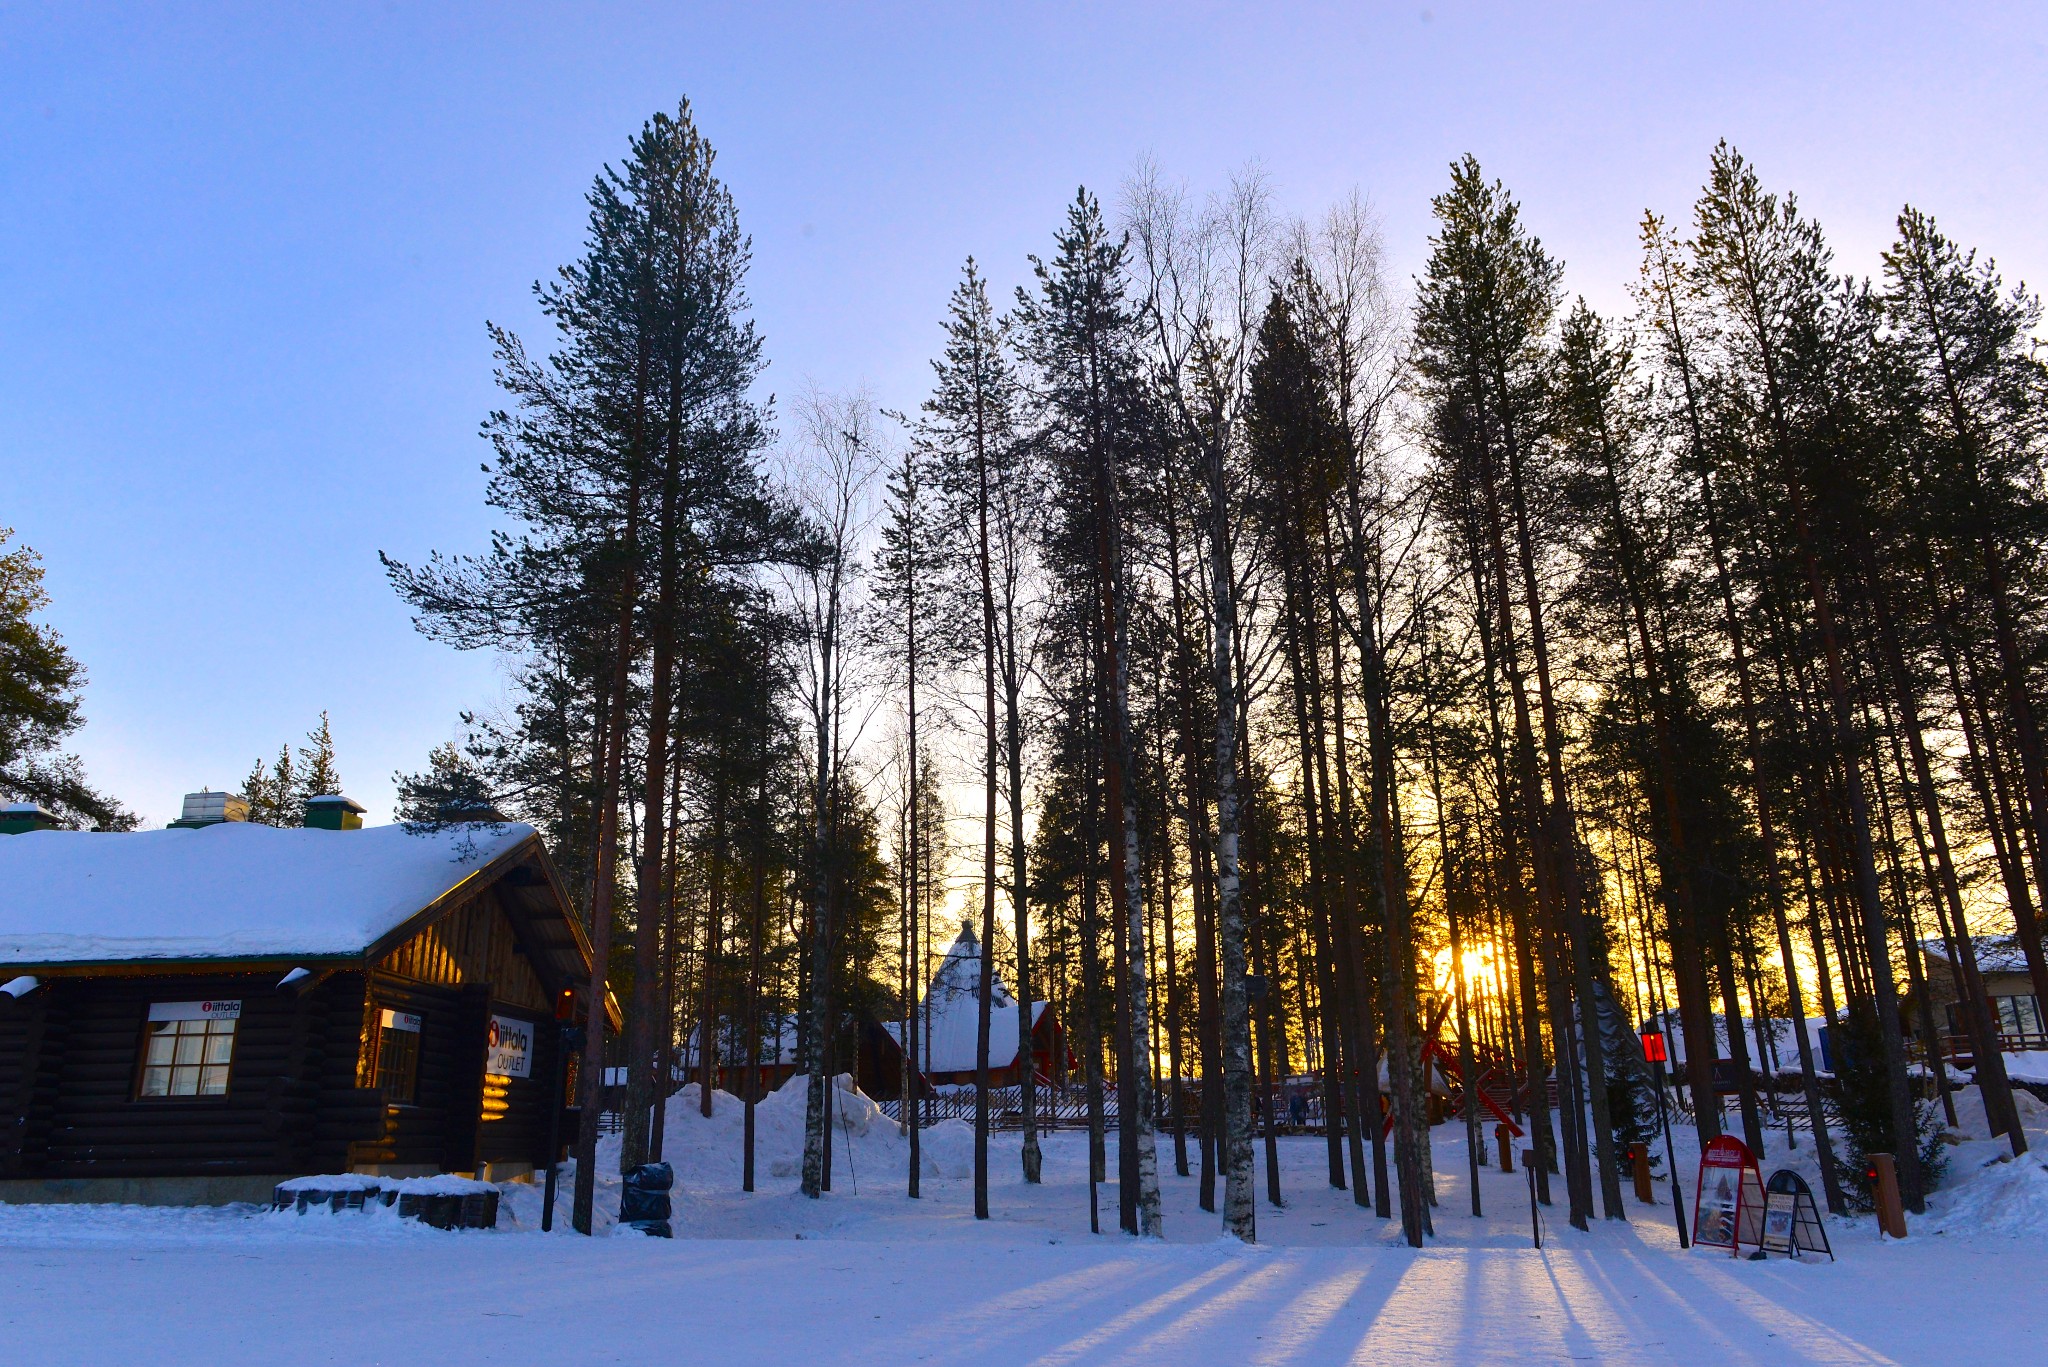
point(1080, 335)
point(453, 787)
point(317, 775)
point(1769, 270)
point(273, 793)
point(1981, 404)
point(629, 461)
point(41, 703)
point(969, 425)
point(1486, 304)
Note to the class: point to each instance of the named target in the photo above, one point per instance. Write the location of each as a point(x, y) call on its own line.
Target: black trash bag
point(644, 1203)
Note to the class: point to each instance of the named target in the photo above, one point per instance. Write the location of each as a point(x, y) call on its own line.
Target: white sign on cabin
point(195, 1011)
point(401, 1020)
point(511, 1053)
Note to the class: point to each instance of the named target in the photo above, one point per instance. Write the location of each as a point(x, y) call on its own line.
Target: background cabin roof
point(233, 890)
point(955, 1000)
point(1995, 953)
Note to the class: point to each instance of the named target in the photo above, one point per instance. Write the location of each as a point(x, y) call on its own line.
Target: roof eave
point(168, 965)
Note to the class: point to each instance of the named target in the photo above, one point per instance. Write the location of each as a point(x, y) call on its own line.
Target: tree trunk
point(590, 1078)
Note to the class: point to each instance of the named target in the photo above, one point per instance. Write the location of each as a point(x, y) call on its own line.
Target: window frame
point(2011, 1010)
point(140, 1079)
point(373, 1061)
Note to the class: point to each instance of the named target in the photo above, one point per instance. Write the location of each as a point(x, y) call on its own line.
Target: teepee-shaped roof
point(947, 1044)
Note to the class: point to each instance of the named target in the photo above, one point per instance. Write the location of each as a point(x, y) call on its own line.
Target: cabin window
point(188, 1048)
point(2018, 1014)
point(392, 1060)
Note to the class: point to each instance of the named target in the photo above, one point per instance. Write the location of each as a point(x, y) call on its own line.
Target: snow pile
point(1987, 1191)
point(2029, 1065)
point(708, 1153)
point(442, 1184)
point(2003, 1196)
point(335, 1181)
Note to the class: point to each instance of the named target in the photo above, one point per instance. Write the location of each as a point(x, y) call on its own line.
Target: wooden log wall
point(515, 1113)
point(68, 1058)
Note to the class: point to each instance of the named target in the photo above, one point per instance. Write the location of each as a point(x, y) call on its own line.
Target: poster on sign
point(1780, 1211)
point(511, 1052)
point(1728, 1207)
point(1792, 1223)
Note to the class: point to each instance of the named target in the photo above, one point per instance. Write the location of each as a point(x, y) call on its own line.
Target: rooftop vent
point(19, 818)
point(210, 809)
point(333, 812)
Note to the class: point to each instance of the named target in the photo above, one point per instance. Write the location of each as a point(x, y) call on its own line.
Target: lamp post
point(1653, 1050)
point(572, 1040)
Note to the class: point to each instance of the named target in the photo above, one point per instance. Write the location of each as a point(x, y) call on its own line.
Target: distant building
point(191, 1015)
point(949, 1025)
point(2006, 982)
point(777, 1054)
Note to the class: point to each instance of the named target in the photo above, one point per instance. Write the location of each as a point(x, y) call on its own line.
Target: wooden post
point(1507, 1157)
point(1891, 1211)
point(1639, 1162)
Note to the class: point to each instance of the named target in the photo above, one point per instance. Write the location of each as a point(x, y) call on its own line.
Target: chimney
point(19, 818)
point(210, 809)
point(333, 812)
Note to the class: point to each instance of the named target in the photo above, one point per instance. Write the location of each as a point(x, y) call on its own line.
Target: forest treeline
point(1265, 660)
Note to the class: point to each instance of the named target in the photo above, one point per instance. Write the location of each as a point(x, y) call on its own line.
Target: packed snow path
point(875, 1278)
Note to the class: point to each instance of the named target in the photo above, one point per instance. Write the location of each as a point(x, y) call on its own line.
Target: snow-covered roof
point(1995, 953)
point(955, 1014)
point(233, 890)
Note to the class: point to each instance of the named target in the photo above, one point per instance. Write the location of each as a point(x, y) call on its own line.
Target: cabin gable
point(449, 981)
point(475, 943)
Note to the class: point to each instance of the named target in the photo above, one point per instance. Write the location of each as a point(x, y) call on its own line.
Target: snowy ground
point(866, 1276)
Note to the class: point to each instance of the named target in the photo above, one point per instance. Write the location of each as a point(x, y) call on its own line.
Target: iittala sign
point(195, 1011)
point(511, 1053)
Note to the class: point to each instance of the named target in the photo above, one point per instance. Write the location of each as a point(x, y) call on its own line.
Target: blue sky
point(246, 255)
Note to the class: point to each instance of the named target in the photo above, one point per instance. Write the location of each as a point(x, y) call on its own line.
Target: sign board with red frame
point(1728, 1198)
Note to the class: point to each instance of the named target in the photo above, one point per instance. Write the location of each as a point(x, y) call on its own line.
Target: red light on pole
point(1653, 1047)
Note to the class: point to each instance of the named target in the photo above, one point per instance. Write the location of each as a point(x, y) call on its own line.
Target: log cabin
point(190, 1015)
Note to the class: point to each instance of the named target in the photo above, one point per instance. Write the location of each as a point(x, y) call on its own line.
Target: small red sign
point(1653, 1047)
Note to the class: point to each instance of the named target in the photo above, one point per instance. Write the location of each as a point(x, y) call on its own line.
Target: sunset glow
point(1481, 977)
